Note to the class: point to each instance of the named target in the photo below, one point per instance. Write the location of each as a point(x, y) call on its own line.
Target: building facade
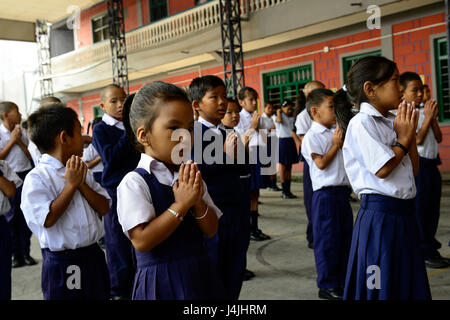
point(286, 43)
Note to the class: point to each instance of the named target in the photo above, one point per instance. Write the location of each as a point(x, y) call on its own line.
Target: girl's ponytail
point(126, 122)
point(342, 109)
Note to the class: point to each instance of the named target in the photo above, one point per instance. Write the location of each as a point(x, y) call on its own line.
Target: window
point(285, 84)
point(100, 29)
point(347, 62)
point(158, 9)
point(441, 63)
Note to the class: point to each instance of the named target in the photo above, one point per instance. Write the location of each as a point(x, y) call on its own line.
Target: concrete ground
point(284, 266)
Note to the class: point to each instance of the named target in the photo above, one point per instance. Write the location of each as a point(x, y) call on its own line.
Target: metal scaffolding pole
point(447, 16)
point(116, 27)
point(232, 55)
point(44, 62)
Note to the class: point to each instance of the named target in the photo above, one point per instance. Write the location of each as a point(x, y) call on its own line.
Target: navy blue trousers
point(118, 252)
point(332, 227)
point(307, 200)
point(428, 204)
point(20, 233)
point(79, 274)
point(5, 260)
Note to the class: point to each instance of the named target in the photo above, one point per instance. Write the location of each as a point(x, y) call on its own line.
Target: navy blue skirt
point(287, 151)
point(385, 261)
point(5, 259)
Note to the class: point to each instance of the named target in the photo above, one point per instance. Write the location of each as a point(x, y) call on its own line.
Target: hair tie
point(344, 87)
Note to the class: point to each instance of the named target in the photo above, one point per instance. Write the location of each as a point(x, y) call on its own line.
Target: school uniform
point(287, 149)
point(118, 158)
point(89, 154)
point(331, 211)
point(34, 152)
point(385, 237)
point(230, 245)
point(5, 233)
point(302, 125)
point(266, 124)
point(19, 162)
point(429, 188)
point(69, 248)
point(178, 268)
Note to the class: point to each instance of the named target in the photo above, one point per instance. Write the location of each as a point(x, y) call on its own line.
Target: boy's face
point(14, 117)
point(413, 92)
point(324, 113)
point(250, 102)
point(232, 116)
point(213, 105)
point(269, 109)
point(77, 143)
point(426, 94)
point(113, 104)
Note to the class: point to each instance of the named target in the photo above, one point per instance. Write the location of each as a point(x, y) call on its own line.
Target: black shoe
point(119, 298)
point(310, 245)
point(274, 188)
point(255, 236)
point(17, 261)
point(331, 294)
point(262, 235)
point(29, 261)
point(248, 275)
point(353, 199)
point(288, 196)
point(436, 263)
point(446, 260)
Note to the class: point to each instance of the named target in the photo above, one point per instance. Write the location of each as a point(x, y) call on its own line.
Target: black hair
point(407, 77)
point(316, 97)
point(300, 104)
point(245, 91)
point(142, 107)
point(200, 85)
point(47, 123)
point(93, 122)
point(425, 86)
point(375, 69)
point(6, 106)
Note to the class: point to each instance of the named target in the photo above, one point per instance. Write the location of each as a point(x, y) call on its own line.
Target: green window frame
point(97, 111)
point(285, 84)
point(441, 64)
point(158, 9)
point(347, 62)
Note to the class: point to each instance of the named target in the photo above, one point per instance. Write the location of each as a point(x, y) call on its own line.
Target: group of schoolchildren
point(177, 225)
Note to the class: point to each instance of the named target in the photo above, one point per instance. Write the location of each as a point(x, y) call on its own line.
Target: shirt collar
point(318, 128)
point(112, 122)
point(245, 113)
point(210, 125)
point(370, 110)
point(158, 168)
point(4, 128)
point(51, 161)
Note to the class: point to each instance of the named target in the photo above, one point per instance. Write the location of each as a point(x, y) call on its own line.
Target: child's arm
point(146, 236)
point(93, 163)
point(97, 201)
point(414, 156)
point(436, 130)
point(279, 116)
point(73, 177)
point(15, 137)
point(7, 187)
point(322, 161)
point(405, 125)
point(297, 139)
point(430, 113)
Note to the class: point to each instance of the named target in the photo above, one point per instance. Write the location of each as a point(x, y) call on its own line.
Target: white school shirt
point(78, 227)
point(113, 122)
point(429, 147)
point(34, 152)
point(284, 128)
point(134, 201)
point(245, 123)
point(16, 158)
point(89, 154)
point(214, 128)
point(318, 140)
point(303, 122)
point(9, 174)
point(367, 148)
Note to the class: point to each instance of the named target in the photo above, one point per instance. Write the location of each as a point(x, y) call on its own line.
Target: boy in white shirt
point(64, 206)
point(331, 212)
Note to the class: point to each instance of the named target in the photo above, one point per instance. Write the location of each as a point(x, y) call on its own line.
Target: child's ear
point(141, 136)
point(4, 116)
point(369, 90)
point(102, 105)
point(196, 105)
point(63, 137)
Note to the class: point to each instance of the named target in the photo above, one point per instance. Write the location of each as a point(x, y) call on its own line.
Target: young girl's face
point(413, 92)
point(269, 110)
point(288, 110)
point(388, 95)
point(250, 102)
point(173, 115)
point(232, 116)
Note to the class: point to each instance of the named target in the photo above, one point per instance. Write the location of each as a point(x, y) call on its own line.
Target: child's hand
point(16, 133)
point(230, 145)
point(74, 171)
point(279, 111)
point(337, 138)
point(187, 188)
point(255, 121)
point(405, 124)
point(431, 109)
